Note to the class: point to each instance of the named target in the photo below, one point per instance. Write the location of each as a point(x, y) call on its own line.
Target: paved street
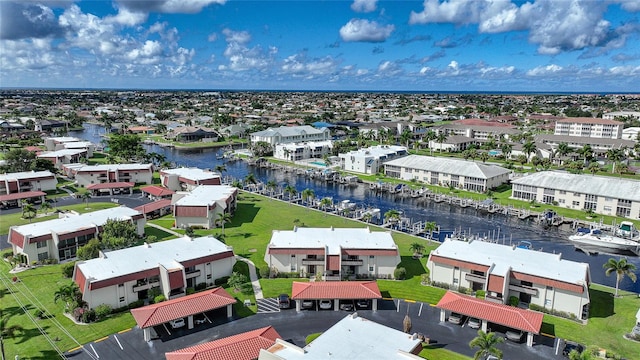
point(294, 327)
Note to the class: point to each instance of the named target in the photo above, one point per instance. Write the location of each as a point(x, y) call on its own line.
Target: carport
point(96, 189)
point(509, 316)
point(336, 291)
point(22, 196)
point(186, 306)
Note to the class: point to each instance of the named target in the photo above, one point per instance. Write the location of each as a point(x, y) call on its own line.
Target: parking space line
point(398, 306)
point(118, 341)
point(420, 311)
point(166, 328)
point(94, 351)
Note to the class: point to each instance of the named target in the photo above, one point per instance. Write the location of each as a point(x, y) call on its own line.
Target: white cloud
point(241, 57)
point(364, 6)
point(22, 20)
point(630, 5)
point(127, 17)
point(299, 64)
point(545, 70)
point(365, 31)
point(240, 37)
point(212, 37)
point(169, 6)
point(555, 26)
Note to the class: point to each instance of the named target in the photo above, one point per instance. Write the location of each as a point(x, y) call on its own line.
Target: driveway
point(295, 326)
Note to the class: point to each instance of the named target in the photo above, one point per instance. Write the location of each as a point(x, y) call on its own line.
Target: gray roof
point(584, 140)
point(612, 187)
point(289, 131)
point(449, 166)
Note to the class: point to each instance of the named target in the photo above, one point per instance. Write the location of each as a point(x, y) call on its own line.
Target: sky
point(430, 45)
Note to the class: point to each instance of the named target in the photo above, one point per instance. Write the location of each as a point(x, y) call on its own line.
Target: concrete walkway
point(164, 229)
point(253, 276)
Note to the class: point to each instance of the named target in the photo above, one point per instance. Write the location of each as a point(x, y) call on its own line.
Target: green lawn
point(434, 352)
point(274, 287)
point(159, 234)
point(246, 293)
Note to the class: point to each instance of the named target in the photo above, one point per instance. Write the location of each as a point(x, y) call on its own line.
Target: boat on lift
point(595, 237)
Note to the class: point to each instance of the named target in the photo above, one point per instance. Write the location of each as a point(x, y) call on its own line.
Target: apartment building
point(369, 160)
point(589, 127)
point(186, 179)
point(201, 207)
point(291, 134)
point(27, 181)
point(301, 151)
point(86, 175)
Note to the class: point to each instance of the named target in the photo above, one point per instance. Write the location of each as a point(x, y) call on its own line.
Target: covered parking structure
point(186, 306)
point(490, 312)
point(14, 199)
point(155, 209)
point(110, 188)
point(335, 291)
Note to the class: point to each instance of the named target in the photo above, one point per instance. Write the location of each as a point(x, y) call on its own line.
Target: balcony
point(523, 289)
point(313, 262)
point(475, 278)
point(146, 286)
point(351, 262)
point(494, 299)
point(192, 274)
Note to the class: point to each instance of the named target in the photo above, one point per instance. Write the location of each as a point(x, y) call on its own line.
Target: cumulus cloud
point(555, 26)
point(28, 20)
point(168, 6)
point(545, 70)
point(240, 37)
point(365, 31)
point(301, 65)
point(241, 57)
point(364, 6)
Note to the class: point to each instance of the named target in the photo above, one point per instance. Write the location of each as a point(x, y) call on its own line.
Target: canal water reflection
point(511, 230)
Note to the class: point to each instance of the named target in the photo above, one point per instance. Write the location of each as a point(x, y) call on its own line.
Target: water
point(510, 229)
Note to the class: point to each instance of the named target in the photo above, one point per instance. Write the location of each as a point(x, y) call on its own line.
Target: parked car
point(200, 319)
point(346, 305)
point(307, 304)
point(491, 357)
point(363, 303)
point(283, 301)
point(514, 335)
point(177, 323)
point(570, 346)
point(455, 318)
point(474, 323)
point(325, 304)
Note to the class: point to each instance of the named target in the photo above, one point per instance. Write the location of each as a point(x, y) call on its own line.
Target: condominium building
point(291, 134)
point(59, 239)
point(369, 160)
point(186, 179)
point(333, 253)
point(171, 265)
point(64, 156)
point(85, 175)
point(27, 181)
point(464, 174)
point(602, 194)
point(201, 207)
point(589, 127)
point(301, 151)
point(506, 272)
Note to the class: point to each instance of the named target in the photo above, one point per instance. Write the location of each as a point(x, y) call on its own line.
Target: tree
point(392, 215)
point(271, 186)
point(620, 268)
point(250, 179)
point(70, 294)
point(593, 167)
point(522, 159)
point(327, 160)
point(429, 136)
point(220, 168)
point(586, 152)
point(563, 149)
point(127, 146)
point(325, 203)
point(529, 148)
point(39, 164)
point(367, 217)
point(28, 211)
point(224, 218)
point(405, 137)
point(615, 155)
point(262, 148)
point(118, 234)
point(486, 344)
point(85, 197)
point(90, 250)
point(484, 156)
point(236, 280)
point(622, 168)
point(290, 190)
point(417, 248)
point(430, 227)
point(19, 160)
point(308, 195)
point(45, 207)
point(506, 150)
point(442, 137)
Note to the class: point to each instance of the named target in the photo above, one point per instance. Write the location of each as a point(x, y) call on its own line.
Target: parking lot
point(295, 326)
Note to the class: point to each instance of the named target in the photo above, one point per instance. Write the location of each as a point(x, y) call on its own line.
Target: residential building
point(599, 145)
point(621, 114)
point(333, 253)
point(354, 338)
point(454, 143)
point(27, 181)
point(631, 133)
point(59, 239)
point(463, 174)
point(171, 265)
point(57, 142)
point(186, 179)
point(291, 134)
point(301, 151)
point(506, 272)
point(193, 133)
point(589, 127)
point(201, 207)
point(369, 160)
point(243, 346)
point(85, 175)
point(601, 194)
point(478, 129)
point(65, 156)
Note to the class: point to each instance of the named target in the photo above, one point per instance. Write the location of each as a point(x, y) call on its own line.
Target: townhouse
point(27, 181)
point(201, 207)
point(65, 156)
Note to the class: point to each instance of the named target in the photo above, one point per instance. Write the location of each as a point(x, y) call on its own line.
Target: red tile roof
point(513, 317)
point(21, 195)
point(157, 190)
point(156, 205)
point(244, 346)
point(335, 290)
point(156, 314)
point(112, 185)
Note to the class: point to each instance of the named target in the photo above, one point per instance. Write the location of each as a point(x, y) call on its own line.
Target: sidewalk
point(253, 276)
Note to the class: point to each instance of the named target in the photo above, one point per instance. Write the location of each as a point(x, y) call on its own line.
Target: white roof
point(352, 338)
point(113, 167)
point(333, 238)
point(286, 131)
point(376, 151)
point(192, 173)
point(449, 166)
point(205, 195)
point(301, 145)
point(25, 175)
point(607, 186)
point(504, 257)
point(64, 139)
point(61, 152)
point(167, 253)
point(77, 144)
point(76, 222)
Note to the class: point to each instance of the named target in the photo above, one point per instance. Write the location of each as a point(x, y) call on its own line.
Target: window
point(43, 256)
point(120, 285)
point(121, 298)
point(41, 244)
point(372, 256)
point(208, 276)
point(370, 267)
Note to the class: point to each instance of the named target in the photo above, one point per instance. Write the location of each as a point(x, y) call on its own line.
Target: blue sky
point(431, 45)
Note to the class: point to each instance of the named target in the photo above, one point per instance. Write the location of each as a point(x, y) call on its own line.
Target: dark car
point(570, 346)
point(363, 304)
point(514, 335)
point(283, 301)
point(346, 305)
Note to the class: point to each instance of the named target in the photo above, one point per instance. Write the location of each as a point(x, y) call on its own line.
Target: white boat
point(627, 230)
point(595, 237)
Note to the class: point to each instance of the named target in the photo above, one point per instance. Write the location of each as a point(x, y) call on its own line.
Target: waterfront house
point(301, 151)
point(64, 156)
point(291, 134)
point(369, 160)
point(201, 207)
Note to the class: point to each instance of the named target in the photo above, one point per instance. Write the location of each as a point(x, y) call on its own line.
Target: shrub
point(67, 269)
point(464, 290)
point(264, 272)
point(221, 281)
point(135, 304)
point(400, 273)
point(424, 279)
point(442, 285)
point(480, 294)
point(88, 316)
point(190, 290)
point(514, 301)
point(288, 275)
point(201, 286)
point(563, 314)
point(77, 313)
point(40, 314)
point(159, 299)
point(102, 311)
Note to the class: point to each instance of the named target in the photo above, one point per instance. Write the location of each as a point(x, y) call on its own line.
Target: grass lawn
point(159, 234)
point(244, 294)
point(435, 352)
point(274, 287)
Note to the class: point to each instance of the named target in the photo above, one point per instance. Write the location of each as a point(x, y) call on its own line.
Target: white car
point(326, 304)
point(177, 323)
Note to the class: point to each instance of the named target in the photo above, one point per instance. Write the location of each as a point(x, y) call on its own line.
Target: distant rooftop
point(206, 195)
point(333, 238)
point(449, 166)
point(26, 175)
point(192, 173)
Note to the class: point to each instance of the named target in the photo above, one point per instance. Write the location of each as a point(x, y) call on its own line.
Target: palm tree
point(326, 202)
point(405, 137)
point(430, 227)
point(28, 211)
point(429, 136)
point(85, 197)
point(586, 153)
point(615, 155)
point(621, 268)
point(506, 150)
point(442, 137)
point(220, 168)
point(417, 248)
point(250, 179)
point(327, 160)
point(522, 159)
point(308, 194)
point(367, 217)
point(271, 186)
point(484, 156)
point(529, 147)
point(45, 207)
point(593, 167)
point(622, 168)
point(224, 218)
point(70, 294)
point(486, 342)
point(392, 215)
point(287, 152)
point(290, 190)
point(563, 149)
